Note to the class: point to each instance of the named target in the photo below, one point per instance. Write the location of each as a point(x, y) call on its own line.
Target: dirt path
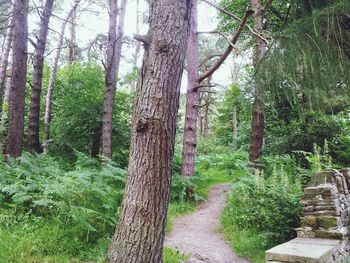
point(197, 234)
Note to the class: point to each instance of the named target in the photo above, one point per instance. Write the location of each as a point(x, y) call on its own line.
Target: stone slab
point(303, 250)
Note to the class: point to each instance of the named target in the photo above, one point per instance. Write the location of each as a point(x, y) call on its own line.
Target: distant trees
point(258, 119)
point(194, 83)
point(114, 47)
point(5, 56)
point(34, 144)
point(52, 81)
point(140, 232)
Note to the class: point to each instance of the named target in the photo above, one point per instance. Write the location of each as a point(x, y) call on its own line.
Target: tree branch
point(266, 6)
point(228, 50)
point(235, 17)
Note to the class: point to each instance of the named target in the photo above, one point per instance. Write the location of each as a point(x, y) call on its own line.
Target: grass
point(173, 256)
point(47, 241)
point(54, 238)
point(247, 243)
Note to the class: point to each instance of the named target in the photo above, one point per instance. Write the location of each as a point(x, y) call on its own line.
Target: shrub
point(269, 204)
point(85, 199)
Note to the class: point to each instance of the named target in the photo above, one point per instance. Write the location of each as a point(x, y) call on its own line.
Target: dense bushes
point(74, 209)
point(77, 113)
point(267, 203)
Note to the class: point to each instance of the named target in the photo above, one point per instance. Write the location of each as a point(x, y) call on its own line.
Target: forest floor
point(197, 234)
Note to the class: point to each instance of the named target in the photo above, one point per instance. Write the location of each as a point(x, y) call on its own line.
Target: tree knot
point(142, 125)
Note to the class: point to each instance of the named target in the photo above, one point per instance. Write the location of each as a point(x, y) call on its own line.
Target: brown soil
point(198, 235)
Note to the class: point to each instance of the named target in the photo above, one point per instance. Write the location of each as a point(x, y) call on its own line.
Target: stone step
point(303, 250)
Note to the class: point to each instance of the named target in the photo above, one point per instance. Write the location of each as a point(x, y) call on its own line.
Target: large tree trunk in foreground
point(192, 98)
point(34, 112)
point(18, 80)
point(52, 81)
point(258, 122)
point(114, 53)
point(5, 56)
point(140, 233)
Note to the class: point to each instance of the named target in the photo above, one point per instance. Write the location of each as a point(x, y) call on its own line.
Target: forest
point(156, 131)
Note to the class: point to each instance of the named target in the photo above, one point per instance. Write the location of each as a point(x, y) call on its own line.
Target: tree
point(72, 37)
point(115, 42)
point(139, 235)
point(192, 102)
point(18, 79)
point(34, 111)
point(192, 98)
point(5, 55)
point(258, 119)
point(52, 80)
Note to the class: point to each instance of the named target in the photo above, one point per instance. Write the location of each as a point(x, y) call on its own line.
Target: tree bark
point(18, 79)
point(52, 81)
point(234, 123)
point(115, 43)
point(96, 141)
point(258, 118)
point(5, 56)
point(138, 45)
point(140, 233)
point(4, 116)
point(192, 98)
point(71, 42)
point(34, 111)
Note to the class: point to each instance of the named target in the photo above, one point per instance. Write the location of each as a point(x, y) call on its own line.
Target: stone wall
point(326, 213)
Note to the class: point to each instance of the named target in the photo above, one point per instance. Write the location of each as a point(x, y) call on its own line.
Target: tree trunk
point(138, 45)
point(71, 42)
point(257, 133)
point(234, 123)
point(4, 116)
point(52, 80)
point(96, 141)
point(18, 79)
point(5, 56)
point(192, 98)
point(140, 233)
point(113, 53)
point(206, 116)
point(34, 112)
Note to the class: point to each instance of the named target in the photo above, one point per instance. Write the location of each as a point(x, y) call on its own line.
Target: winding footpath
point(198, 235)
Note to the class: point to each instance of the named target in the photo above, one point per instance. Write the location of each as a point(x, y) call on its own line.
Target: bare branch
point(266, 6)
point(235, 17)
point(228, 50)
point(143, 38)
point(221, 34)
point(31, 41)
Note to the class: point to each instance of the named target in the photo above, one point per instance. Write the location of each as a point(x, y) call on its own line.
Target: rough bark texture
point(114, 55)
point(192, 98)
point(52, 81)
point(34, 111)
point(5, 56)
point(18, 80)
point(257, 134)
point(140, 233)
